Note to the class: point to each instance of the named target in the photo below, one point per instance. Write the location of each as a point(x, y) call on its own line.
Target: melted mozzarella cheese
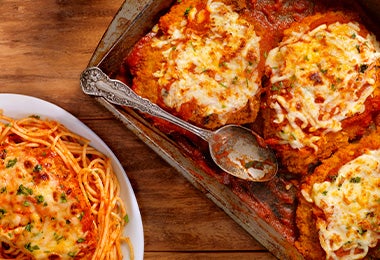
point(36, 214)
point(351, 205)
point(330, 72)
point(213, 67)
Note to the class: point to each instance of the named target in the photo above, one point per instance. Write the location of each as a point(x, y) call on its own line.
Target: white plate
point(19, 106)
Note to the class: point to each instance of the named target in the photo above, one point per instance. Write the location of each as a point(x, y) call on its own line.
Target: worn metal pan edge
point(122, 33)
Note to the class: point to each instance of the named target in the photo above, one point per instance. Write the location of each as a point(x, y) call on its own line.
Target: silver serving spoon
point(234, 149)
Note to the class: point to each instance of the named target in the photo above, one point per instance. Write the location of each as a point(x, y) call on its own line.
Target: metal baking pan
point(134, 19)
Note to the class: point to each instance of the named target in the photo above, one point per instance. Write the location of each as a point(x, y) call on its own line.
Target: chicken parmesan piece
point(202, 63)
point(340, 200)
point(323, 88)
point(43, 212)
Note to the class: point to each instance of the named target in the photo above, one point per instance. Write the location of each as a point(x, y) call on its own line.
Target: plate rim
point(57, 113)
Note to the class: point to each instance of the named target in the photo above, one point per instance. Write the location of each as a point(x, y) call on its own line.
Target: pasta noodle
point(98, 186)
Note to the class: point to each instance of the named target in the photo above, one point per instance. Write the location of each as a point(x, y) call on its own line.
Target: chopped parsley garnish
point(361, 231)
point(28, 227)
point(223, 85)
point(22, 190)
point(31, 248)
point(11, 163)
point(37, 168)
point(126, 218)
point(2, 213)
point(357, 48)
point(80, 215)
point(355, 180)
point(39, 199)
point(58, 237)
point(81, 240)
point(63, 198)
point(276, 87)
point(254, 164)
point(3, 189)
point(72, 254)
point(187, 11)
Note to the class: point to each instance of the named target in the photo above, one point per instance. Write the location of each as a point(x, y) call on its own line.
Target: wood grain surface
point(44, 46)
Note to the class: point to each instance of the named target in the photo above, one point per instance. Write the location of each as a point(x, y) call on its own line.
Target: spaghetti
point(60, 197)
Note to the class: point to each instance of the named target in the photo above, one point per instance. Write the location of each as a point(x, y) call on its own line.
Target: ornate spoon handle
point(95, 82)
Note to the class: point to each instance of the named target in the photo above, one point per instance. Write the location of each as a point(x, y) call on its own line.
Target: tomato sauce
point(276, 200)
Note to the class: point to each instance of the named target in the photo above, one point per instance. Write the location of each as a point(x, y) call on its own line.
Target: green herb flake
point(324, 192)
point(22, 190)
point(11, 163)
point(3, 189)
point(81, 240)
point(39, 199)
point(187, 11)
point(63, 197)
point(72, 254)
point(361, 231)
point(2, 213)
point(355, 180)
point(31, 248)
point(37, 168)
point(58, 237)
point(28, 227)
point(357, 48)
point(223, 64)
point(254, 164)
point(223, 85)
point(277, 87)
point(126, 218)
point(80, 215)
point(26, 203)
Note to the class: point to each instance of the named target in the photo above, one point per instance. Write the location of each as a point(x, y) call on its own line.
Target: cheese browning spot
point(326, 75)
point(350, 203)
point(31, 216)
point(210, 59)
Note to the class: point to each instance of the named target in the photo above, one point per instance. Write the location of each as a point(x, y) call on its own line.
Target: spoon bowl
point(235, 149)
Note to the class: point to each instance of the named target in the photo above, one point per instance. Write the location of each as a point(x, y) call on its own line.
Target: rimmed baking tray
point(134, 19)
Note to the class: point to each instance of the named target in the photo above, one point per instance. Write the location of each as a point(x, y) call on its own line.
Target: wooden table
point(44, 46)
